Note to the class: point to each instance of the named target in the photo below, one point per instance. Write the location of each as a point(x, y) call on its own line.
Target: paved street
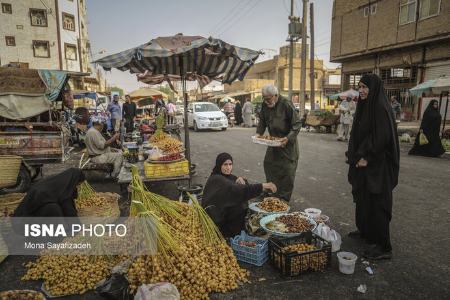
point(420, 235)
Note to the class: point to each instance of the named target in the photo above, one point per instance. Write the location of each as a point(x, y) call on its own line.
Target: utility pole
point(311, 52)
point(303, 66)
point(291, 54)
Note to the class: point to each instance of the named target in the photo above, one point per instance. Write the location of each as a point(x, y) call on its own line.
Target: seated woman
point(225, 196)
point(53, 196)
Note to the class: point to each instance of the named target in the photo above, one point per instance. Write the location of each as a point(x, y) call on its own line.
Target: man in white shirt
point(347, 109)
point(98, 147)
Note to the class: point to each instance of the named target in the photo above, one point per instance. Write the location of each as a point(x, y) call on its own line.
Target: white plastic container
point(313, 212)
point(347, 261)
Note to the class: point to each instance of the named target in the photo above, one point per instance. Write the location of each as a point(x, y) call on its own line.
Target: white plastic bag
point(329, 235)
point(157, 291)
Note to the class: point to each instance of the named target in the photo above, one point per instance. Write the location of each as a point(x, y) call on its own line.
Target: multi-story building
point(404, 41)
point(45, 34)
point(276, 71)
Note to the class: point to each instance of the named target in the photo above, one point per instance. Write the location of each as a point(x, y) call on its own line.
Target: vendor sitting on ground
point(53, 196)
point(98, 147)
point(225, 196)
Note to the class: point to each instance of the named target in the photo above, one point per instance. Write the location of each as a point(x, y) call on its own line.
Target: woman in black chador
point(373, 155)
point(430, 126)
point(53, 196)
point(225, 196)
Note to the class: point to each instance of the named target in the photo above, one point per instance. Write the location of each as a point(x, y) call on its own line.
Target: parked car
point(206, 115)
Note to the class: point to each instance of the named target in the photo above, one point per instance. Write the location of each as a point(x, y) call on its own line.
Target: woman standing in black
point(373, 155)
point(430, 126)
point(238, 113)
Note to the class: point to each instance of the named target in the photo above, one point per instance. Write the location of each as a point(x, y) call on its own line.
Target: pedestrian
point(430, 127)
point(225, 196)
point(238, 113)
point(347, 109)
point(171, 112)
point(129, 113)
point(280, 163)
point(396, 108)
point(228, 108)
point(98, 148)
point(317, 105)
point(247, 111)
point(115, 113)
point(159, 106)
point(373, 157)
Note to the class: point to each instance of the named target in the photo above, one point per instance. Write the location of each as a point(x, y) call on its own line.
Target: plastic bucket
point(313, 213)
point(347, 261)
point(196, 192)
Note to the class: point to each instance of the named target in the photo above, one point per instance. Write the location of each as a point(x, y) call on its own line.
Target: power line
point(245, 12)
point(227, 15)
point(235, 17)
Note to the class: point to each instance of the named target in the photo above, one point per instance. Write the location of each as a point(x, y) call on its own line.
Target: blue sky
point(116, 25)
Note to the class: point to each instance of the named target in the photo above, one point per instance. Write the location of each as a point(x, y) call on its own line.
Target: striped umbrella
point(189, 57)
point(184, 56)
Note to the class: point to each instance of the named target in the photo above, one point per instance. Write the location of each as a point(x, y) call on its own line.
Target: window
point(6, 8)
point(407, 11)
point(399, 75)
point(373, 9)
point(38, 17)
point(70, 51)
point(68, 22)
point(10, 40)
point(429, 8)
point(366, 11)
point(316, 75)
point(41, 49)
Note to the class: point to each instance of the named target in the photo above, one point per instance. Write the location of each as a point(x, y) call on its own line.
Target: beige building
point(404, 41)
point(45, 34)
point(276, 71)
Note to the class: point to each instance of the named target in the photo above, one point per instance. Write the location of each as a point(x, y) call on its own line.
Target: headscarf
point(220, 160)
point(431, 112)
point(60, 188)
point(374, 121)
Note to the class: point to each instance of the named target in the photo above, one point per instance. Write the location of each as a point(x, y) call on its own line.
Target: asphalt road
point(419, 230)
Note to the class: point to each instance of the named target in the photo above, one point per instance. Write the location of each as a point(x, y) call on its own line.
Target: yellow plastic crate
point(160, 170)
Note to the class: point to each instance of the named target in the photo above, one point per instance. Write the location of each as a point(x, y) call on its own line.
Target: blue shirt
point(115, 111)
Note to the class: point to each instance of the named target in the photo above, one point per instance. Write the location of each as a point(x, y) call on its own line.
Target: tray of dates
point(170, 158)
point(269, 205)
point(267, 140)
point(287, 224)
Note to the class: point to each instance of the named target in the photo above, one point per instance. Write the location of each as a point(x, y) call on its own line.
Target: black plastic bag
point(115, 287)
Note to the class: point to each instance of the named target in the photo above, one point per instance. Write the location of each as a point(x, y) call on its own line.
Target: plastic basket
point(294, 263)
point(157, 170)
point(257, 255)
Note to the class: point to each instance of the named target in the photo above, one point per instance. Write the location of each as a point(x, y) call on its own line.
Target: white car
point(206, 115)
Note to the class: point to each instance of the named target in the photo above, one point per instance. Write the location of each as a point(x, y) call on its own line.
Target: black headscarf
point(374, 137)
point(60, 188)
point(220, 160)
point(432, 112)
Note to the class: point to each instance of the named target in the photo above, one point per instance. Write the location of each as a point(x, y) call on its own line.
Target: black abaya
point(225, 201)
point(52, 197)
point(431, 124)
point(374, 138)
